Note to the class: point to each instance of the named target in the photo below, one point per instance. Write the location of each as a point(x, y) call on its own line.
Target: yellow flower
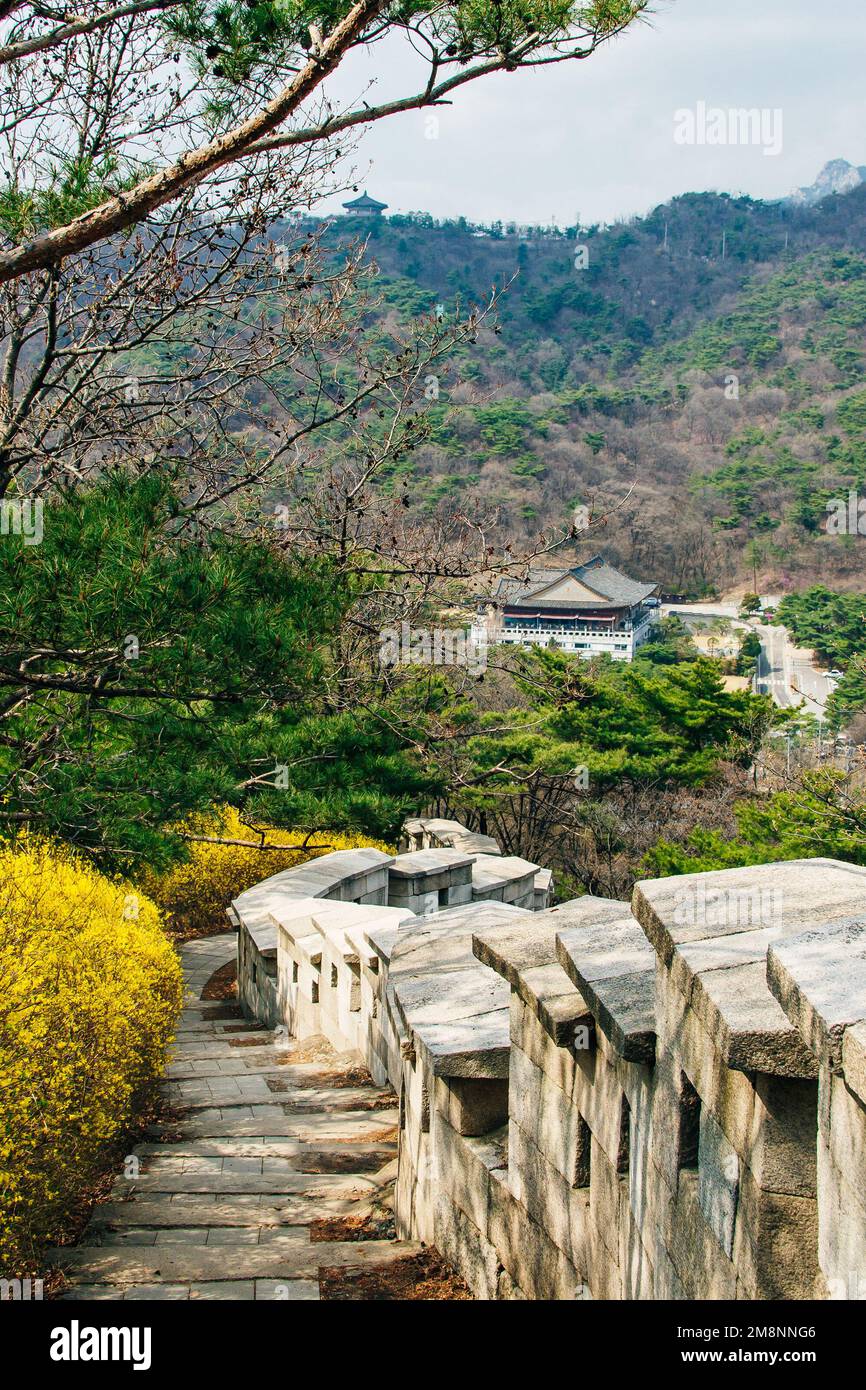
point(196, 893)
point(90, 988)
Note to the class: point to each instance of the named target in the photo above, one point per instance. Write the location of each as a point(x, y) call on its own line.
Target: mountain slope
point(696, 385)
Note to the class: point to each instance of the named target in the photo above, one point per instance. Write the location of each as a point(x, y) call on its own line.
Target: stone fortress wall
point(662, 1099)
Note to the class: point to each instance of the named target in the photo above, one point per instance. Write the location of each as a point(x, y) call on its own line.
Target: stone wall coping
point(558, 1006)
point(793, 894)
point(263, 933)
point(750, 1028)
point(477, 1048)
point(604, 951)
point(443, 1012)
point(314, 879)
point(613, 966)
point(443, 941)
point(454, 835)
point(512, 946)
point(335, 922)
point(476, 1012)
point(470, 842)
point(441, 825)
point(420, 862)
point(854, 1059)
point(308, 948)
point(713, 932)
point(524, 954)
point(360, 948)
point(340, 931)
point(382, 941)
point(819, 978)
point(490, 871)
point(455, 1010)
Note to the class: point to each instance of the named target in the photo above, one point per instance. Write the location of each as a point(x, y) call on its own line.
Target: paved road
point(789, 674)
point(811, 683)
point(784, 672)
point(775, 667)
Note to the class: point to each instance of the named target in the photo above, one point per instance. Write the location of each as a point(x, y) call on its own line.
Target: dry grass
point(422, 1277)
point(223, 983)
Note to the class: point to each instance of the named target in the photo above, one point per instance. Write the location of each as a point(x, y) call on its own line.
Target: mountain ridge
point(691, 385)
point(837, 176)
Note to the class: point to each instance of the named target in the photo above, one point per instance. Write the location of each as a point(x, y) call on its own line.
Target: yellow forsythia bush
point(90, 988)
point(196, 893)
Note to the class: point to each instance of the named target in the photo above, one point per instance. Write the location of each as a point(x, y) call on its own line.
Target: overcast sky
point(596, 139)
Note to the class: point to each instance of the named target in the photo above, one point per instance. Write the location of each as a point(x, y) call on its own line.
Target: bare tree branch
point(84, 24)
point(130, 207)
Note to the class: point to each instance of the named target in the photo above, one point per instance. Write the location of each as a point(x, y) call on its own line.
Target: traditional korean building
point(589, 609)
point(365, 206)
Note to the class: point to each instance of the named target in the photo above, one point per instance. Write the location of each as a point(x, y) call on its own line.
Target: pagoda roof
point(365, 204)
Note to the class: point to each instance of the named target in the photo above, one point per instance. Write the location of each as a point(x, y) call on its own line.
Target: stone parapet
point(819, 979)
point(504, 879)
point(354, 875)
point(436, 833)
point(659, 1100)
point(430, 880)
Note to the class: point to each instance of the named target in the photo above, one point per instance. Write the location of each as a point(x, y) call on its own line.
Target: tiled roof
point(614, 589)
point(365, 203)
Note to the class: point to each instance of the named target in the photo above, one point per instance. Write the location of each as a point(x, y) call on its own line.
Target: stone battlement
point(662, 1099)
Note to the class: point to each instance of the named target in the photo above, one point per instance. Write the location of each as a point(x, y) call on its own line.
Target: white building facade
point(590, 610)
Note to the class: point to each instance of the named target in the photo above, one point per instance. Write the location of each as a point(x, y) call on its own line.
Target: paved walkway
point(273, 1149)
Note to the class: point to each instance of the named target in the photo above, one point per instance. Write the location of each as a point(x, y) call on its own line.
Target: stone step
point(219, 1050)
point(288, 1291)
point(208, 1068)
point(216, 1163)
point(214, 1011)
point(196, 1093)
point(272, 1120)
point(245, 1183)
point(222, 1091)
point(222, 1147)
point(316, 1184)
point(289, 1210)
point(258, 1148)
point(365, 1100)
point(190, 1028)
point(179, 1264)
point(241, 1183)
point(202, 1236)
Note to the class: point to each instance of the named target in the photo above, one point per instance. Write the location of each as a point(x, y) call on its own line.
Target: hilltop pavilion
point(365, 206)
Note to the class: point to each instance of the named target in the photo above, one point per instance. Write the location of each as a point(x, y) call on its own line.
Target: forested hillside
point(698, 385)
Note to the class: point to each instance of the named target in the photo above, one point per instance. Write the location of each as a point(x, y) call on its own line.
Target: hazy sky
point(596, 139)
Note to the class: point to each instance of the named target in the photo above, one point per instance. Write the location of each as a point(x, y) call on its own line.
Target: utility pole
point(724, 244)
point(665, 247)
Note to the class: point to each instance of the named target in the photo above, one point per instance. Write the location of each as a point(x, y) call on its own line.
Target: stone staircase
point(269, 1153)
